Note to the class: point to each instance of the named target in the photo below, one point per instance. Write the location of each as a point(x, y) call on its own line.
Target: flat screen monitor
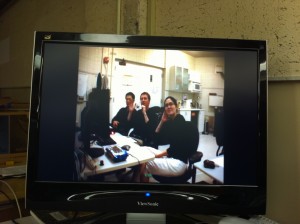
point(80, 160)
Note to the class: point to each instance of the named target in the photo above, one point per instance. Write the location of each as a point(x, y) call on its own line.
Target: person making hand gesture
point(122, 122)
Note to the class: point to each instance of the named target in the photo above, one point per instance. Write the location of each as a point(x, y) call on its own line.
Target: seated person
point(95, 117)
point(122, 122)
point(172, 161)
point(145, 121)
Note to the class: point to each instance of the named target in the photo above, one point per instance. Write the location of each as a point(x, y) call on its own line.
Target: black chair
point(191, 136)
point(78, 164)
point(219, 130)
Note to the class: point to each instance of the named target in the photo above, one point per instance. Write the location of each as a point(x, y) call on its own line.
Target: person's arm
point(161, 154)
point(131, 108)
point(146, 118)
point(163, 119)
point(116, 119)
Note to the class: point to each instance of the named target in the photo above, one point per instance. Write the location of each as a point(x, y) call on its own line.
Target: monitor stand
point(110, 218)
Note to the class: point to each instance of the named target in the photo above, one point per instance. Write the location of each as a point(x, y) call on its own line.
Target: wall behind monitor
point(21, 19)
point(275, 21)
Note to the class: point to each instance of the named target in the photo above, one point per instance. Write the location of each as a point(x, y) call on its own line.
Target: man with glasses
point(122, 122)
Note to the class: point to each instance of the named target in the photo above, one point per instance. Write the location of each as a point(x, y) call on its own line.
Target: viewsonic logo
point(149, 204)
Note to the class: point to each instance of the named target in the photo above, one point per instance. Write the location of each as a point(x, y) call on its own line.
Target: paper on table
point(13, 170)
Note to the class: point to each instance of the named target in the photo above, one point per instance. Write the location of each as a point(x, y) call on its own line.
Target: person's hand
point(115, 124)
point(164, 117)
point(131, 107)
point(144, 109)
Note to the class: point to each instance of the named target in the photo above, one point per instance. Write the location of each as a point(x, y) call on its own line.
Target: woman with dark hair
point(171, 130)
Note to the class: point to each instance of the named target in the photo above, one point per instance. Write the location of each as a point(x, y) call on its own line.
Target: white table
point(137, 155)
point(217, 173)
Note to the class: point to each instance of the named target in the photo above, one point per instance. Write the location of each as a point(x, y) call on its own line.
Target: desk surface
point(24, 220)
point(217, 173)
point(18, 186)
point(137, 155)
point(17, 183)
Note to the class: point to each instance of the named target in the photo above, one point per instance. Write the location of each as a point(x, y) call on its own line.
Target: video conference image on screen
point(149, 116)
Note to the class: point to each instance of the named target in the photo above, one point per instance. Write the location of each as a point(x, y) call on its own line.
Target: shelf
point(181, 91)
point(13, 131)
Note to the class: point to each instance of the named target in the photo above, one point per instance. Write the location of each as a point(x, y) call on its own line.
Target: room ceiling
point(198, 54)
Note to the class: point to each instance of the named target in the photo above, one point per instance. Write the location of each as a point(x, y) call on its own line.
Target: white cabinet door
point(201, 121)
point(186, 114)
point(179, 78)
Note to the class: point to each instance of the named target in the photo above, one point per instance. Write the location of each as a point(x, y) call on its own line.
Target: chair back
point(79, 164)
point(219, 130)
point(192, 137)
point(219, 127)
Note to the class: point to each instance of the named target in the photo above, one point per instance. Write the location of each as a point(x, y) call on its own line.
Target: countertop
point(190, 109)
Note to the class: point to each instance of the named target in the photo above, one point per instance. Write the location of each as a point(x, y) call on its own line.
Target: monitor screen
point(143, 123)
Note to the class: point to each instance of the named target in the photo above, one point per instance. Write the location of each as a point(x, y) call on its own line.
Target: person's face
point(129, 100)
point(145, 100)
point(170, 108)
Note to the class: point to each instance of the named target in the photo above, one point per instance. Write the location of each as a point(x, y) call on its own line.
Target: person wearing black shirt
point(145, 121)
point(172, 161)
point(122, 122)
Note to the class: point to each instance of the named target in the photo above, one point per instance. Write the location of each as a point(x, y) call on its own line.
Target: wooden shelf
point(13, 130)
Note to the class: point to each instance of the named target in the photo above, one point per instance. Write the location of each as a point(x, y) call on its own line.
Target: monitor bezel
point(52, 195)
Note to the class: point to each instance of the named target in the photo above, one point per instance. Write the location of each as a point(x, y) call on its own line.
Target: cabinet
point(201, 120)
point(179, 78)
point(186, 114)
point(196, 116)
point(13, 131)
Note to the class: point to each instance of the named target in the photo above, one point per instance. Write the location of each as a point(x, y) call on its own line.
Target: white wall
point(144, 62)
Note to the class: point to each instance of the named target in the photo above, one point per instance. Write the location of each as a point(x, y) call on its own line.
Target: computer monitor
point(64, 73)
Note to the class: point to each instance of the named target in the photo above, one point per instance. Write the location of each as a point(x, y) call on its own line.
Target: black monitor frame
point(116, 197)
